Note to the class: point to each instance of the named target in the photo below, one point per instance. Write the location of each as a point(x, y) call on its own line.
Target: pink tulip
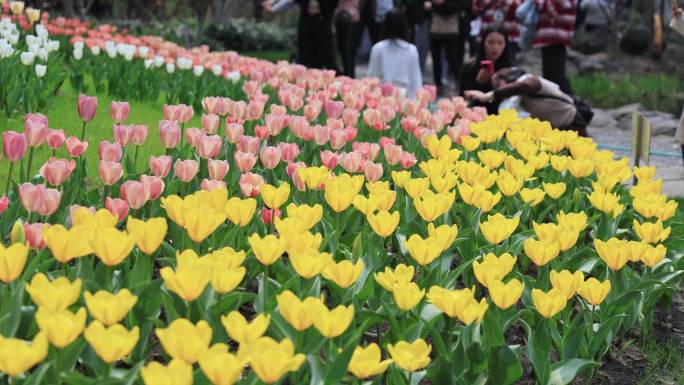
point(170, 133)
point(289, 151)
point(209, 146)
point(55, 138)
point(51, 203)
point(338, 139)
point(392, 153)
point(250, 184)
point(409, 123)
point(186, 169)
point(139, 134)
point(32, 196)
point(35, 128)
point(222, 106)
point(275, 123)
point(329, 159)
point(250, 88)
point(160, 165)
point(118, 207)
point(217, 168)
point(87, 107)
point(210, 184)
point(333, 109)
point(312, 110)
point(56, 171)
point(154, 186)
point(119, 111)
point(185, 114)
point(350, 117)
point(386, 140)
point(210, 123)
point(134, 193)
point(76, 147)
point(193, 135)
point(248, 144)
point(372, 171)
point(299, 126)
point(234, 132)
point(245, 161)
point(171, 112)
point(239, 110)
point(408, 159)
point(268, 215)
point(459, 130)
point(4, 203)
point(210, 104)
point(351, 161)
point(122, 134)
point(373, 120)
point(110, 151)
point(334, 124)
point(321, 134)
point(351, 133)
point(292, 167)
point(34, 235)
point(297, 180)
point(261, 132)
point(110, 172)
point(270, 157)
point(14, 145)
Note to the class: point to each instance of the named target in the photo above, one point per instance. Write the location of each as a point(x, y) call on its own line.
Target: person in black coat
point(314, 34)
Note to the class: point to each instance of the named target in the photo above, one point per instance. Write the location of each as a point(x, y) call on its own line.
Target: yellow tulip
point(444, 183)
point(242, 331)
point(66, 245)
point(365, 205)
point(614, 252)
point(487, 201)
point(12, 261)
point(606, 202)
point(191, 276)
point(644, 172)
point(410, 356)
point(100, 219)
point(184, 341)
point(470, 194)
point(53, 296)
point(400, 178)
point(470, 143)
point(343, 273)
point(288, 226)
point(451, 302)
point(227, 257)
point(109, 308)
point(532, 196)
point(400, 276)
point(498, 228)
point(417, 187)
point(508, 184)
point(505, 295)
point(314, 177)
point(17, 234)
point(594, 291)
point(407, 296)
point(423, 251)
point(271, 360)
point(297, 243)
point(176, 372)
point(636, 250)
point(332, 323)
point(201, 222)
point(309, 215)
point(383, 223)
point(574, 221)
point(473, 312)
point(61, 327)
point(148, 234)
point(111, 343)
point(173, 204)
point(214, 199)
point(112, 246)
point(540, 252)
point(296, 312)
point(17, 7)
point(437, 147)
point(221, 367)
point(493, 268)
point(366, 362)
point(18, 356)
point(275, 197)
point(550, 303)
point(445, 234)
point(554, 190)
point(566, 282)
point(267, 250)
point(225, 279)
point(341, 190)
point(560, 163)
point(310, 263)
point(240, 211)
point(581, 168)
point(430, 205)
point(32, 14)
point(653, 255)
point(651, 232)
point(491, 158)
point(654, 205)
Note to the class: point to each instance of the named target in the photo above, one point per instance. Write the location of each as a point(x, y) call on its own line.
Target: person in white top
point(677, 24)
point(394, 60)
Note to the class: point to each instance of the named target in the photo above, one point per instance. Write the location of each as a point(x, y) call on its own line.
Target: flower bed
point(320, 230)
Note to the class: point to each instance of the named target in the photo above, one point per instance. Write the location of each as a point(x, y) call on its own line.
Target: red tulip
point(170, 133)
point(386, 140)
point(351, 161)
point(248, 144)
point(55, 138)
point(35, 128)
point(160, 165)
point(408, 159)
point(275, 123)
point(14, 145)
point(76, 147)
point(392, 153)
point(87, 107)
point(4, 203)
point(119, 111)
point(351, 133)
point(268, 215)
point(338, 139)
point(350, 117)
point(321, 134)
point(333, 109)
point(261, 132)
point(171, 112)
point(185, 169)
point(185, 113)
point(118, 207)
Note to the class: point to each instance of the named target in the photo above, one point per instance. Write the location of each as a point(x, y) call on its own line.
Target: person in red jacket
point(554, 34)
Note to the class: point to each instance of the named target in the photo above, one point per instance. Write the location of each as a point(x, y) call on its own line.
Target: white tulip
point(148, 63)
point(159, 61)
point(234, 75)
point(40, 70)
point(13, 38)
point(109, 45)
point(79, 45)
point(33, 48)
point(42, 54)
point(95, 50)
point(6, 50)
point(217, 69)
point(52, 45)
point(27, 58)
point(170, 68)
point(32, 40)
point(111, 52)
point(42, 32)
point(198, 70)
point(78, 54)
point(143, 51)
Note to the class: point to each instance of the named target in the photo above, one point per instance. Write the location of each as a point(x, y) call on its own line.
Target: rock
point(635, 41)
point(587, 63)
point(602, 119)
point(626, 110)
point(662, 123)
point(596, 40)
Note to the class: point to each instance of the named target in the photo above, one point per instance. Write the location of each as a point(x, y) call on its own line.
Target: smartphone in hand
point(487, 65)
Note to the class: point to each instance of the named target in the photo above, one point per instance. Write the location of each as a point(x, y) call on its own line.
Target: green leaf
point(504, 365)
point(565, 371)
point(572, 341)
point(11, 317)
point(604, 335)
point(338, 367)
point(538, 350)
point(36, 378)
point(316, 369)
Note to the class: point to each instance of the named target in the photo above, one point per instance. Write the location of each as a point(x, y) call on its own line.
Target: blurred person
point(677, 24)
point(352, 18)
point(394, 59)
point(492, 55)
point(499, 14)
point(444, 32)
point(419, 19)
point(539, 97)
point(593, 14)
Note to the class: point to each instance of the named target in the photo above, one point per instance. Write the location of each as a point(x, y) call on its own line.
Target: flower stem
point(28, 167)
point(9, 178)
point(83, 131)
